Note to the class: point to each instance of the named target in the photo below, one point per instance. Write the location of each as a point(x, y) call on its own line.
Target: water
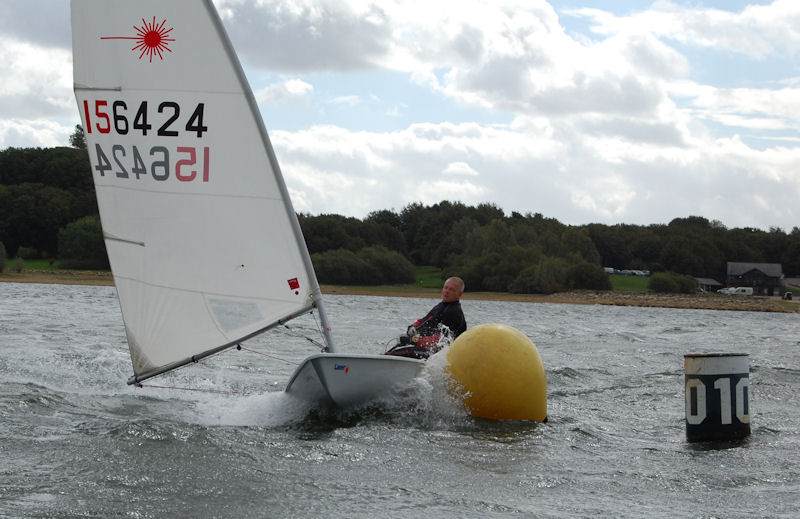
point(76, 441)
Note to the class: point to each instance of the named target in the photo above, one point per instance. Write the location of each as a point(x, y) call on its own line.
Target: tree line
point(533, 254)
point(48, 209)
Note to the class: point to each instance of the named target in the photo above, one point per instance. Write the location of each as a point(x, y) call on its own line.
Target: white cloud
point(397, 110)
point(755, 31)
point(459, 169)
point(21, 133)
point(37, 81)
point(293, 90)
point(609, 123)
point(36, 101)
point(754, 108)
point(305, 35)
point(346, 100)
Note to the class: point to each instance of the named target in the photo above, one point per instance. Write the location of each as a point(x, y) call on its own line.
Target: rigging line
point(293, 332)
point(309, 339)
point(240, 347)
point(319, 330)
point(215, 391)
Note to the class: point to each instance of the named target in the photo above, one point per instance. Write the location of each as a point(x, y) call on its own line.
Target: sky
point(602, 111)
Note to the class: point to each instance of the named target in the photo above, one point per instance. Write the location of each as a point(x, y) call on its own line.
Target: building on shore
point(765, 278)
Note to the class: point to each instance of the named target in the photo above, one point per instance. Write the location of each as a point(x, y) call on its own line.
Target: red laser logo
point(152, 39)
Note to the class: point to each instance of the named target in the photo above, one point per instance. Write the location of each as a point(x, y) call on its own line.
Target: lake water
point(76, 441)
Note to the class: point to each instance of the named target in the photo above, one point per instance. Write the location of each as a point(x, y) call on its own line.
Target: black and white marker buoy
point(717, 396)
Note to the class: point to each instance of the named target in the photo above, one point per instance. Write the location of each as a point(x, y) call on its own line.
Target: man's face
point(451, 291)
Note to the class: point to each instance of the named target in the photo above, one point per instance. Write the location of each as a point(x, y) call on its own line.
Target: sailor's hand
point(411, 331)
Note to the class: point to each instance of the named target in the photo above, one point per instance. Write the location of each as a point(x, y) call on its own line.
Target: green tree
point(81, 245)
point(391, 266)
point(671, 283)
point(374, 265)
point(34, 215)
point(62, 167)
point(41, 190)
point(587, 276)
point(679, 255)
point(486, 213)
point(329, 232)
point(546, 277)
point(78, 139)
point(431, 228)
point(577, 241)
point(645, 249)
point(791, 258)
point(453, 251)
point(477, 270)
point(612, 244)
point(385, 217)
point(342, 267)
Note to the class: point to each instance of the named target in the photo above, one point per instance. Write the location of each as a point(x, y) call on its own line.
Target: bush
point(392, 267)
point(588, 276)
point(480, 273)
point(3, 257)
point(81, 245)
point(28, 253)
point(671, 283)
point(497, 272)
point(546, 277)
point(663, 283)
point(687, 285)
point(338, 267)
point(375, 265)
point(17, 264)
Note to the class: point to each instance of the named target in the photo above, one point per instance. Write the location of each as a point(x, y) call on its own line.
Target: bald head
point(452, 289)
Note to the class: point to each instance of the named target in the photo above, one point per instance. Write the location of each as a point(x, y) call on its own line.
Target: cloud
point(306, 35)
point(37, 81)
point(21, 133)
point(755, 31)
point(43, 23)
point(36, 101)
point(622, 118)
point(351, 100)
point(459, 169)
point(574, 179)
point(292, 90)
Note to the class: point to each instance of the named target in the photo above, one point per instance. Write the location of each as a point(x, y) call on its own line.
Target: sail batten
point(111, 237)
point(78, 88)
point(203, 241)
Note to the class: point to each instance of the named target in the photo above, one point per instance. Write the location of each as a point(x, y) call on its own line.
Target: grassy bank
point(629, 283)
point(428, 285)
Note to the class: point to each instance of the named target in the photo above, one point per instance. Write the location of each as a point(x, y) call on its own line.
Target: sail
point(204, 244)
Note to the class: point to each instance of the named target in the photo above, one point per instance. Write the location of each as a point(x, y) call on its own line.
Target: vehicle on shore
point(736, 291)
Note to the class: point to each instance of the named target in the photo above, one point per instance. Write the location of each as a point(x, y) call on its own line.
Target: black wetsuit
point(426, 342)
point(448, 314)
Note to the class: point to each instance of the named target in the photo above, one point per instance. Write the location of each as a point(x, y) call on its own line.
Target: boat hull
point(342, 380)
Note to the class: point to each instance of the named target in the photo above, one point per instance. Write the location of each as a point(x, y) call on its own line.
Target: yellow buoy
point(497, 371)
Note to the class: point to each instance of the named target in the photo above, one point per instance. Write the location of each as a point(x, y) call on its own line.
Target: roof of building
point(769, 269)
point(707, 282)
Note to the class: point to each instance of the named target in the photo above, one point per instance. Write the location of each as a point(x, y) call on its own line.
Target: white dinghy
point(204, 245)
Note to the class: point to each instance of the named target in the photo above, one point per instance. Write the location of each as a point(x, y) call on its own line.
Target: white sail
point(203, 242)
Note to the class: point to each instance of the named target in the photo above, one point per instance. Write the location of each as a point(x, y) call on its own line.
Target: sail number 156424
point(116, 117)
point(122, 120)
point(192, 163)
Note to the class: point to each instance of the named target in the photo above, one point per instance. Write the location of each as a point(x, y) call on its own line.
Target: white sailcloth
point(203, 242)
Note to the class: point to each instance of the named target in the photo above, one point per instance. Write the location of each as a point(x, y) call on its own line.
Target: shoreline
point(581, 297)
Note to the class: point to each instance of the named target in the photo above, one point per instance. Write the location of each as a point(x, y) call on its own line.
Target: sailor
point(446, 318)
